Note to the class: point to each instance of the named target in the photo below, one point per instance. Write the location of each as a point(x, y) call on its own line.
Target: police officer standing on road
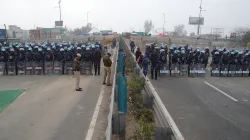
point(97, 56)
point(76, 69)
point(107, 69)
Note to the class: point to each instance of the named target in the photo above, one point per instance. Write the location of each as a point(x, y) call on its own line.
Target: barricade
point(48, 68)
point(21, 68)
point(11, 68)
point(38, 68)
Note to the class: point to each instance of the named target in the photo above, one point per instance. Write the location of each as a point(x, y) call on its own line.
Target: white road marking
point(96, 112)
point(95, 115)
point(230, 97)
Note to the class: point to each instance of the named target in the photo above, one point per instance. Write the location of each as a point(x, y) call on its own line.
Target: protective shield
point(2, 68)
point(232, 70)
point(193, 70)
point(215, 70)
point(68, 68)
point(21, 68)
point(11, 68)
point(246, 70)
point(38, 68)
point(201, 70)
point(48, 68)
point(184, 70)
point(175, 69)
point(29, 68)
point(58, 68)
point(224, 70)
point(164, 70)
point(239, 70)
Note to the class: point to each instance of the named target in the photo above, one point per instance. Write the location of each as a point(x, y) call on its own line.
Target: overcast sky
point(125, 15)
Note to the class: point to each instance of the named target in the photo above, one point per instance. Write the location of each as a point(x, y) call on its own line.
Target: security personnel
point(107, 69)
point(132, 46)
point(38, 56)
point(76, 69)
point(29, 55)
point(217, 58)
point(49, 55)
point(97, 56)
point(21, 55)
point(4, 58)
point(154, 58)
point(60, 55)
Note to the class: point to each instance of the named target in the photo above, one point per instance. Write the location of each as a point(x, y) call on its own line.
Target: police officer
point(4, 58)
point(154, 58)
point(49, 55)
point(76, 69)
point(217, 58)
point(97, 56)
point(183, 57)
point(197, 56)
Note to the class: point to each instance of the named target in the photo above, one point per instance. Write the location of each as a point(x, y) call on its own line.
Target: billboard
point(195, 20)
point(2, 34)
point(58, 23)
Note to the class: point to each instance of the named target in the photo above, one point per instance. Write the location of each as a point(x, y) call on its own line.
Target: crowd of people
point(164, 56)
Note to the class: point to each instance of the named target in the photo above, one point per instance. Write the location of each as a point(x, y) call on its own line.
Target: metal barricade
point(48, 68)
point(11, 68)
point(38, 68)
point(21, 68)
point(2, 68)
point(58, 68)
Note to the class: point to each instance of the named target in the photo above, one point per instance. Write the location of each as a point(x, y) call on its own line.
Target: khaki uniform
point(76, 69)
point(107, 69)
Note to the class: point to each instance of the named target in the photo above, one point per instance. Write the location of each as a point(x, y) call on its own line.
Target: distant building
point(34, 35)
point(15, 32)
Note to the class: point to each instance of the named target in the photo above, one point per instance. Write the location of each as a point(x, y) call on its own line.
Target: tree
point(179, 31)
point(240, 32)
point(246, 37)
point(148, 26)
point(84, 29)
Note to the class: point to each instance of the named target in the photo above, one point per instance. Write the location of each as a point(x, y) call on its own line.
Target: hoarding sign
point(58, 23)
point(2, 34)
point(195, 20)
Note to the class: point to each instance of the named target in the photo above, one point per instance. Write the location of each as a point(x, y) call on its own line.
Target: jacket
point(107, 61)
point(76, 65)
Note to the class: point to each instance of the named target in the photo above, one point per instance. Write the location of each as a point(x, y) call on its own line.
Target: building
point(34, 35)
point(15, 32)
point(51, 33)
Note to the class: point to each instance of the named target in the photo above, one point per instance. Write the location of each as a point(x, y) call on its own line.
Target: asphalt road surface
point(207, 108)
point(50, 108)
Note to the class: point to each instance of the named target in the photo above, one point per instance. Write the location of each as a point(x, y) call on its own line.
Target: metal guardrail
point(163, 118)
point(111, 105)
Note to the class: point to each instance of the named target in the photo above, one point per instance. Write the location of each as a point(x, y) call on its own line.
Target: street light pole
point(198, 29)
point(88, 17)
point(60, 10)
point(163, 23)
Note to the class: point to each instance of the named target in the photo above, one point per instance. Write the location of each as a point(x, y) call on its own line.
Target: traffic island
point(7, 97)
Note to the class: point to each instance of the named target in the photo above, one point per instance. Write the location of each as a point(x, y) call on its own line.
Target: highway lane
point(201, 112)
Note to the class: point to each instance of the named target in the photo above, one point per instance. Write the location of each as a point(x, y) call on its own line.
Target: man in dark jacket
point(97, 56)
point(132, 46)
point(137, 53)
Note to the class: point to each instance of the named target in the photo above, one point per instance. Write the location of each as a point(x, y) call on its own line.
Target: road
point(207, 108)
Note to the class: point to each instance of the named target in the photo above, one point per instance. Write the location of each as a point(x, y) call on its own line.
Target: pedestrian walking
point(113, 43)
point(76, 69)
point(107, 69)
point(137, 53)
